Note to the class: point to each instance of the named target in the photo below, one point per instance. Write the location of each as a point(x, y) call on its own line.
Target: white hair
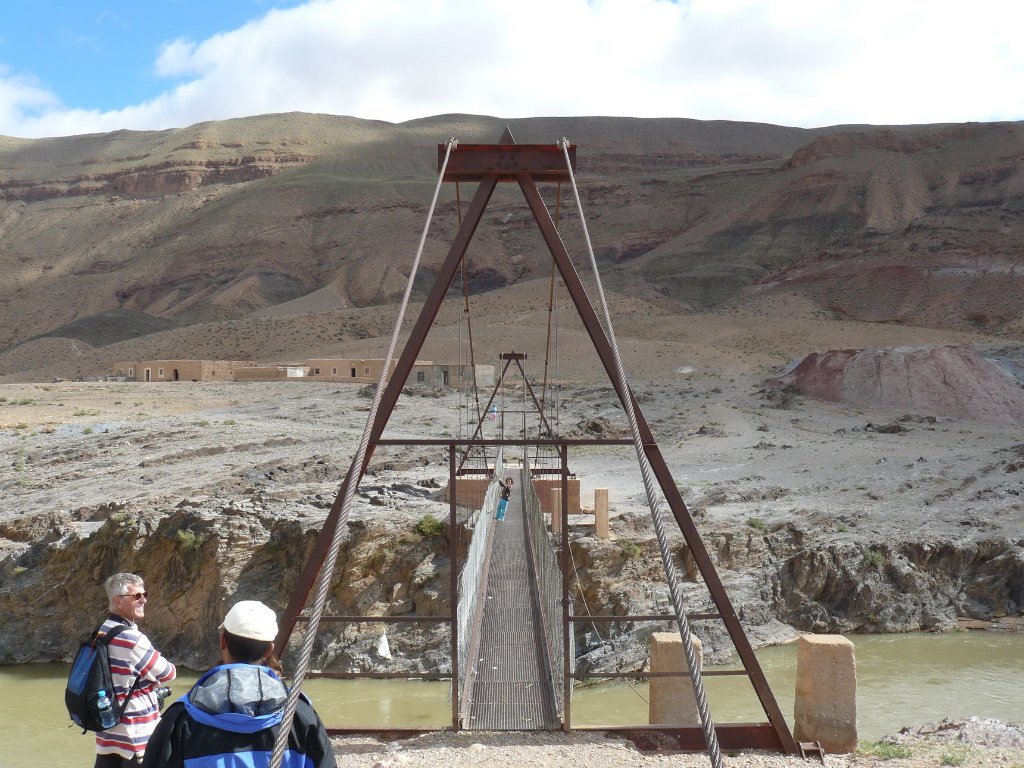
point(115, 584)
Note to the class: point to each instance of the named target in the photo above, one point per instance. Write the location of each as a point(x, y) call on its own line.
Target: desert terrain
point(824, 329)
point(823, 516)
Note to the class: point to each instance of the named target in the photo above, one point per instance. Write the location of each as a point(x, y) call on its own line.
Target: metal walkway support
point(509, 686)
point(551, 596)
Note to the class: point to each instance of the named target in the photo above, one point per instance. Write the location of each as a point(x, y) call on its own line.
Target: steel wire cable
point(549, 584)
point(471, 578)
point(710, 738)
point(327, 569)
point(583, 597)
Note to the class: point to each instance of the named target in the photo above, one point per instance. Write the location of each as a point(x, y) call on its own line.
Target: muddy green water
point(901, 680)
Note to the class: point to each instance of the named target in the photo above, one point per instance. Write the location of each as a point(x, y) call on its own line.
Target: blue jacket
point(230, 719)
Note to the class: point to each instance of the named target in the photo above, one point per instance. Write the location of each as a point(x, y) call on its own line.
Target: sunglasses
point(137, 595)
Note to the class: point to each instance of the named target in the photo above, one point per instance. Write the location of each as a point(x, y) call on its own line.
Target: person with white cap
point(233, 713)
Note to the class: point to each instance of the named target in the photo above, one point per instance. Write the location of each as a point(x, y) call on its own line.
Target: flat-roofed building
point(180, 370)
point(424, 373)
point(272, 373)
point(440, 375)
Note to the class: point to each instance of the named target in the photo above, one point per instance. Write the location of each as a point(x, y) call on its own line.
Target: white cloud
point(800, 62)
point(20, 96)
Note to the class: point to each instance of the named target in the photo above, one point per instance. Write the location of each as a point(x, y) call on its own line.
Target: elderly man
point(233, 713)
point(137, 669)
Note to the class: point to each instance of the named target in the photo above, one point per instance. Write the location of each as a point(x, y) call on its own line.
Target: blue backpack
point(90, 674)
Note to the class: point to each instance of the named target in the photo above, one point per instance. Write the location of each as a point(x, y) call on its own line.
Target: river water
point(901, 680)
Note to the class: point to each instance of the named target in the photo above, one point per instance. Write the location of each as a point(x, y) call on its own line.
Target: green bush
point(885, 750)
point(630, 549)
point(189, 540)
point(429, 526)
point(956, 756)
point(757, 524)
point(874, 559)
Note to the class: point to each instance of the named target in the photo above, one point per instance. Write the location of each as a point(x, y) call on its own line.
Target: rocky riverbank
point(819, 517)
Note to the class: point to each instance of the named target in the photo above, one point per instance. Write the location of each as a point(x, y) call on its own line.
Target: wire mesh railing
point(549, 588)
point(481, 521)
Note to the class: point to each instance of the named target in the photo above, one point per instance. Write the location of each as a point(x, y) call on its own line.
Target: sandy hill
point(281, 236)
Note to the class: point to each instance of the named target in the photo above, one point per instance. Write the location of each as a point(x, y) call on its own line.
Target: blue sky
point(101, 54)
point(87, 66)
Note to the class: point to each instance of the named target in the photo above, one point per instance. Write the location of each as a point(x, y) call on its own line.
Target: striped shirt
point(132, 655)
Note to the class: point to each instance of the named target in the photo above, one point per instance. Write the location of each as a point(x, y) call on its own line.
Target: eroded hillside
point(287, 214)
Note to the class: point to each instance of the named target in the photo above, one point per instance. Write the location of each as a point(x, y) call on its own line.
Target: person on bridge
point(233, 713)
point(506, 494)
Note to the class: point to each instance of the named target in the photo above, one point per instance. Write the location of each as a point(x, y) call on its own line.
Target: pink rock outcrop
point(951, 382)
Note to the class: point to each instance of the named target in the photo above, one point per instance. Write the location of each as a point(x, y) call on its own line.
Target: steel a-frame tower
point(527, 164)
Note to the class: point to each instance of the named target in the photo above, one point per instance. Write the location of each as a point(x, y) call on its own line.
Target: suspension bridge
point(511, 618)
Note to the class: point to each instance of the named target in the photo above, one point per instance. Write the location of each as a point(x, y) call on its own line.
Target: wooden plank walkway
point(511, 690)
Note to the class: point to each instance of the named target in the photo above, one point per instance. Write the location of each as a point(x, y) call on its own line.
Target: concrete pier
point(672, 701)
point(556, 510)
point(825, 708)
point(601, 513)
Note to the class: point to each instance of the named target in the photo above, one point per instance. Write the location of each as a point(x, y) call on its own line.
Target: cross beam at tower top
point(472, 162)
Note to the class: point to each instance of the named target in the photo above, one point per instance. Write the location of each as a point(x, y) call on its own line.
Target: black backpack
point(90, 674)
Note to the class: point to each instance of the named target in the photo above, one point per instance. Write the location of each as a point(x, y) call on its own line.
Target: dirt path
point(974, 743)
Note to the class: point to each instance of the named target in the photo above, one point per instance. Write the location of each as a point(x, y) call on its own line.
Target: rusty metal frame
point(568, 646)
point(526, 165)
point(509, 358)
point(719, 596)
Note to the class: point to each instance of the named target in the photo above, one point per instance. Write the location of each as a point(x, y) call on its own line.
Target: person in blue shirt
point(506, 494)
point(233, 713)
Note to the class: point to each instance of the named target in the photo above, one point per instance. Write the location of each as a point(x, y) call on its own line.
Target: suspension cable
point(547, 345)
point(327, 569)
point(469, 325)
point(469, 331)
point(593, 623)
point(551, 301)
point(710, 738)
point(547, 357)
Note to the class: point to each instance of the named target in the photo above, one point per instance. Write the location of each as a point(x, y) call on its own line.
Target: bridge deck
point(511, 690)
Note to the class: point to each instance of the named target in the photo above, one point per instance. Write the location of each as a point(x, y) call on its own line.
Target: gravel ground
point(976, 743)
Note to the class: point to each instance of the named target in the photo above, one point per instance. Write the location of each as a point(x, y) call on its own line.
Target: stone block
point(825, 708)
point(543, 487)
point(601, 529)
point(470, 492)
point(556, 511)
point(671, 698)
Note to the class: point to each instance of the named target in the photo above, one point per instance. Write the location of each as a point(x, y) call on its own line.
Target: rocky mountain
point(231, 226)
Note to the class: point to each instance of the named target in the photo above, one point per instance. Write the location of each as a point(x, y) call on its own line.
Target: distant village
point(355, 371)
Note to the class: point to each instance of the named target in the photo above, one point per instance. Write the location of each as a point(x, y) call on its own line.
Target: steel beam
point(387, 404)
point(475, 162)
point(453, 574)
point(587, 314)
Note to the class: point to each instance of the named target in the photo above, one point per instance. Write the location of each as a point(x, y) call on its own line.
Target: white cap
point(251, 619)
